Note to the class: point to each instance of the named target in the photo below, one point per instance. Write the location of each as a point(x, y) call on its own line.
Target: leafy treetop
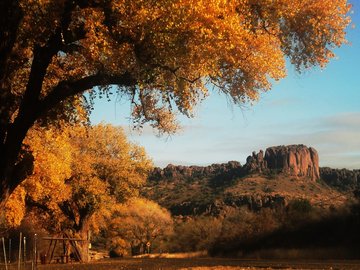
point(160, 54)
point(80, 175)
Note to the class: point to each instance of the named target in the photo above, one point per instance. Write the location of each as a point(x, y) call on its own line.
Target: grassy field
point(202, 264)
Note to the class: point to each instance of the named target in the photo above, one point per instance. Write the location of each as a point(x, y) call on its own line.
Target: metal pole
point(35, 249)
point(24, 252)
point(9, 250)
point(19, 261)
point(5, 259)
point(88, 245)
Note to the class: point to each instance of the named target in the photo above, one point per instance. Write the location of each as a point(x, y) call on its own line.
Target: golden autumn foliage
point(162, 56)
point(138, 223)
point(15, 208)
point(52, 151)
point(106, 170)
point(104, 151)
point(80, 174)
point(172, 49)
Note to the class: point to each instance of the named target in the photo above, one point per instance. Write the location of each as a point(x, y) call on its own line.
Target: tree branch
point(22, 170)
point(28, 112)
point(67, 210)
point(70, 88)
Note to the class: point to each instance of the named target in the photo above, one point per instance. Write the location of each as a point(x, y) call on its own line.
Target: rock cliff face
point(173, 172)
point(297, 160)
point(256, 163)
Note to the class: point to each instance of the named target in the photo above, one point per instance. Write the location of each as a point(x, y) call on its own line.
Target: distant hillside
point(341, 179)
point(271, 180)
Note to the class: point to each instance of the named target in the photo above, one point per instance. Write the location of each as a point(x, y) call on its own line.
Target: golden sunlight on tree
point(139, 225)
point(161, 55)
point(103, 170)
point(104, 151)
point(14, 209)
point(52, 152)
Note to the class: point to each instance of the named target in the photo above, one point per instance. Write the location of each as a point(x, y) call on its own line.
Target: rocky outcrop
point(256, 163)
point(342, 179)
point(228, 170)
point(296, 160)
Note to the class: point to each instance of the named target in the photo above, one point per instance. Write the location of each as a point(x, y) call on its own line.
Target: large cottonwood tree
point(80, 177)
point(159, 54)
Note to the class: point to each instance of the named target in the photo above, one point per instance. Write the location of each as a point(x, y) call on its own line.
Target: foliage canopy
point(138, 223)
point(80, 175)
point(160, 54)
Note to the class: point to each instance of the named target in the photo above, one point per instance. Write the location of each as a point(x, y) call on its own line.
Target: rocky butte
point(295, 160)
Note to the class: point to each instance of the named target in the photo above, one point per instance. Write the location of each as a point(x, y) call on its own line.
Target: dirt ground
point(203, 264)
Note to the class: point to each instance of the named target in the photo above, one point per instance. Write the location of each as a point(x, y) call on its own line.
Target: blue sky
point(318, 108)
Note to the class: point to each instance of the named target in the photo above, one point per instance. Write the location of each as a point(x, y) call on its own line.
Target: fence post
point(24, 252)
point(19, 261)
point(35, 250)
point(5, 259)
point(9, 250)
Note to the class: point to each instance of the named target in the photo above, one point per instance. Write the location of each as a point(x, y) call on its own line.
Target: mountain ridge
point(269, 179)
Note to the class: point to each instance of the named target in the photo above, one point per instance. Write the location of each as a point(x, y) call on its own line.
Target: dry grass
point(289, 187)
point(185, 255)
point(222, 268)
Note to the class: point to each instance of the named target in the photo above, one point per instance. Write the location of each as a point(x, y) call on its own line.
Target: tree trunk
point(83, 246)
point(10, 18)
point(12, 173)
point(136, 250)
point(5, 185)
point(4, 195)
